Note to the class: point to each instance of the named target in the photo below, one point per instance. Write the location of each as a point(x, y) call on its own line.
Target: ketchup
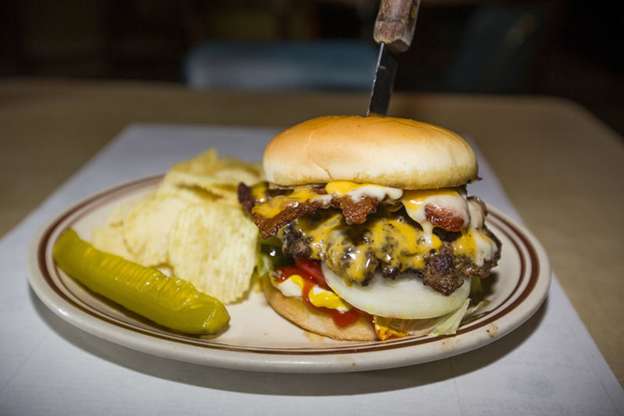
point(312, 275)
point(285, 272)
point(305, 292)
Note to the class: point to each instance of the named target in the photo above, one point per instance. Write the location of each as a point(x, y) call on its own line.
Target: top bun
point(388, 151)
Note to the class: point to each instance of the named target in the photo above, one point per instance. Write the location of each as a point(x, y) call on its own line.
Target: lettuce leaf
point(264, 265)
point(476, 288)
point(448, 324)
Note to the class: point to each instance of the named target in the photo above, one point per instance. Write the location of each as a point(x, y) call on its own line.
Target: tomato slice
point(346, 318)
point(312, 269)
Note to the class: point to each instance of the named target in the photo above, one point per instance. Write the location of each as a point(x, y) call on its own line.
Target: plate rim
point(300, 360)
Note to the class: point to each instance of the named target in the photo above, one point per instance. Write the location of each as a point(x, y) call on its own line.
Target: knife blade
point(384, 81)
point(394, 31)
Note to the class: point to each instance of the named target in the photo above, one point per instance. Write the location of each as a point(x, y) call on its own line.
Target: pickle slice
point(168, 301)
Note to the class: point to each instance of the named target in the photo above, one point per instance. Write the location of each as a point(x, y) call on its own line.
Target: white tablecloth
point(549, 366)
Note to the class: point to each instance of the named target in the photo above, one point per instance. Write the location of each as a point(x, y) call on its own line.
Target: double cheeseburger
point(368, 226)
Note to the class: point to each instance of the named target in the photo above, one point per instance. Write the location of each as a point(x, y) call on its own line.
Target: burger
point(367, 229)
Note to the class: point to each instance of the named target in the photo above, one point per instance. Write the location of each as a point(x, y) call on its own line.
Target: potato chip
point(221, 170)
point(214, 247)
point(222, 192)
point(189, 194)
point(109, 236)
point(217, 176)
point(120, 212)
point(147, 227)
point(110, 239)
point(191, 226)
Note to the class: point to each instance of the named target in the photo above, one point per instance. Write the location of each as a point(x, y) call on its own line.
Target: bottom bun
point(310, 319)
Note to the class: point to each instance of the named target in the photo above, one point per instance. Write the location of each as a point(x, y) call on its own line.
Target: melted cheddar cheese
point(319, 297)
point(475, 244)
point(275, 205)
point(399, 244)
point(259, 192)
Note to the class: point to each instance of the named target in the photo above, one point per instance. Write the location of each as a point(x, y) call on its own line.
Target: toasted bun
point(388, 151)
point(296, 311)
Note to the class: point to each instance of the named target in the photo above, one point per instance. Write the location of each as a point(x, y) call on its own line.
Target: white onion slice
point(405, 297)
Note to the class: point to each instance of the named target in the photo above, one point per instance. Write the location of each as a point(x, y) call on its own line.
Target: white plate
point(260, 340)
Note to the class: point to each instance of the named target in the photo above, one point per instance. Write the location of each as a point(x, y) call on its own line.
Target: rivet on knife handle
point(395, 23)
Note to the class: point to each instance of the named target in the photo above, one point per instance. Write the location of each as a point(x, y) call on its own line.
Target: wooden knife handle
point(395, 23)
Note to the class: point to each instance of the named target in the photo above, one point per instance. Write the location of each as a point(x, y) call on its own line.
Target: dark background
point(570, 49)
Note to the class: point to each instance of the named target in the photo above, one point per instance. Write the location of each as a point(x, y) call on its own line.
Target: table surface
point(560, 166)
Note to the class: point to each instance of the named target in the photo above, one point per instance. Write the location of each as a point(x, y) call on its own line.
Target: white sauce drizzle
point(324, 199)
point(427, 232)
point(485, 247)
point(289, 288)
point(375, 191)
point(476, 214)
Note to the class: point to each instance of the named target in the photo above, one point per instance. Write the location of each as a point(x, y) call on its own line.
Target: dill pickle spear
point(168, 301)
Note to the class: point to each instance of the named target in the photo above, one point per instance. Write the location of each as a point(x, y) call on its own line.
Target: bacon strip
point(445, 218)
point(270, 226)
point(356, 212)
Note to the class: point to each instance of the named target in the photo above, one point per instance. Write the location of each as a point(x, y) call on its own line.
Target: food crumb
point(448, 343)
